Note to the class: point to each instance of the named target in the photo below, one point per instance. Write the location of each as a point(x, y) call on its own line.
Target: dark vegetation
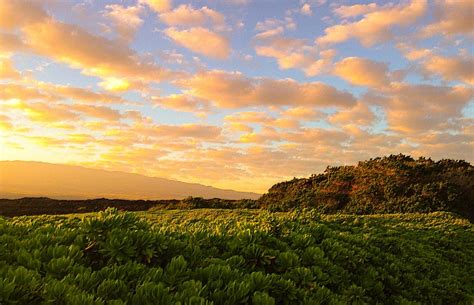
point(299, 257)
point(394, 184)
point(42, 205)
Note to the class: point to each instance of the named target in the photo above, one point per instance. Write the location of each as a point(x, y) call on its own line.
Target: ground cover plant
point(236, 257)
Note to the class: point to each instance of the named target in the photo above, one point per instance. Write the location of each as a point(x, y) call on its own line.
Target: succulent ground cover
point(236, 257)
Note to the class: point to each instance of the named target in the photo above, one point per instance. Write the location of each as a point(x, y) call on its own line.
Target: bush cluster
point(394, 184)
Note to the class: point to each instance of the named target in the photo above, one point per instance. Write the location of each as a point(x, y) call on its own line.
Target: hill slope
point(394, 184)
point(22, 178)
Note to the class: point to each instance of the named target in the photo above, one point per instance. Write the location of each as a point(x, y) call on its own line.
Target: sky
point(236, 94)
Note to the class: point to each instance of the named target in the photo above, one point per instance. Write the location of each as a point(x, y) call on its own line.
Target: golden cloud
point(186, 15)
point(94, 54)
point(100, 112)
point(422, 108)
point(375, 26)
point(14, 14)
point(452, 17)
point(126, 19)
point(303, 113)
point(7, 70)
point(362, 72)
point(33, 90)
point(181, 102)
point(451, 68)
point(294, 53)
point(261, 118)
point(41, 112)
point(10, 43)
point(234, 90)
point(201, 41)
point(359, 115)
point(71, 44)
point(158, 6)
point(350, 11)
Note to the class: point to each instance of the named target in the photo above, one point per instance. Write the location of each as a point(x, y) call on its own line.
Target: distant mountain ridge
point(38, 179)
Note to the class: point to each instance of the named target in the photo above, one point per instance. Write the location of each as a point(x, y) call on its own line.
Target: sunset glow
point(237, 94)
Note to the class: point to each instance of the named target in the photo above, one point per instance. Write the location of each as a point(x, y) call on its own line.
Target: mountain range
point(34, 179)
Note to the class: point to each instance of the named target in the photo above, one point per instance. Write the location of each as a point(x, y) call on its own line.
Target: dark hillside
point(394, 184)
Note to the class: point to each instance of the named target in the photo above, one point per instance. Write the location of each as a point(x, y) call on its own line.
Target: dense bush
point(394, 184)
point(253, 257)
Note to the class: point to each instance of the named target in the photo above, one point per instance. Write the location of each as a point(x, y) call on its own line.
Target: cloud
point(115, 84)
point(10, 91)
point(293, 53)
point(359, 115)
point(306, 9)
point(452, 17)
point(362, 72)
point(94, 54)
point(134, 154)
point(5, 122)
point(15, 14)
point(181, 102)
point(201, 41)
point(158, 6)
point(7, 70)
point(412, 53)
point(273, 24)
point(78, 94)
point(41, 91)
point(412, 109)
point(71, 44)
point(317, 136)
point(451, 68)
point(41, 112)
point(238, 127)
point(126, 19)
point(196, 131)
point(375, 26)
point(249, 117)
point(186, 15)
point(234, 90)
point(237, 2)
point(10, 43)
point(80, 138)
point(303, 113)
point(270, 34)
point(267, 121)
point(290, 53)
point(350, 11)
point(100, 112)
point(57, 112)
point(455, 68)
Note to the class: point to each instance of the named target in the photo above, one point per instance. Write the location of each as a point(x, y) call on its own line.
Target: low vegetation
point(236, 257)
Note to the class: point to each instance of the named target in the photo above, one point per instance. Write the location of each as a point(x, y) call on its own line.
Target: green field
point(206, 256)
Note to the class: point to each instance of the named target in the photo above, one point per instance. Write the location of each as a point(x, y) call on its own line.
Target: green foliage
point(203, 257)
point(394, 184)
